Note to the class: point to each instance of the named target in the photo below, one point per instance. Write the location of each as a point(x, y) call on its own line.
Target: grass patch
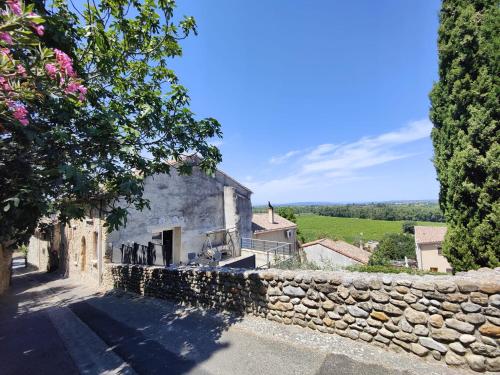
point(313, 227)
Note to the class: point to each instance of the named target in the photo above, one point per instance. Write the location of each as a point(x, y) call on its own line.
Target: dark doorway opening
point(167, 246)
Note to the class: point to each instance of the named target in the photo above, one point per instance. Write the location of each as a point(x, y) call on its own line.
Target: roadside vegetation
point(390, 269)
point(296, 264)
point(393, 246)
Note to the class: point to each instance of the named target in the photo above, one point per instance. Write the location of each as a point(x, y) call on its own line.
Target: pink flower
point(5, 85)
point(39, 29)
point(51, 70)
point(5, 51)
point(65, 62)
point(83, 92)
point(6, 37)
point(15, 7)
point(21, 70)
point(74, 87)
point(19, 112)
point(71, 88)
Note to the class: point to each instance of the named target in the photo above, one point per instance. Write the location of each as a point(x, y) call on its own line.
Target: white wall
point(324, 256)
point(194, 204)
point(432, 259)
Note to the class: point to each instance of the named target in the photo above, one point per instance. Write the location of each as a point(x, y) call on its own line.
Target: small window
point(440, 250)
point(434, 269)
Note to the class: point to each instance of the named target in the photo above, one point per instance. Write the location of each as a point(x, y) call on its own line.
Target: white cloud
point(328, 165)
point(282, 158)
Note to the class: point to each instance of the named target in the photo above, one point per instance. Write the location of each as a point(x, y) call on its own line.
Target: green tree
point(288, 213)
point(409, 227)
point(465, 112)
point(61, 156)
point(393, 246)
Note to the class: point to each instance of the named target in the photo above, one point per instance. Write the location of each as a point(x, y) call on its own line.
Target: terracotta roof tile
point(260, 223)
point(429, 234)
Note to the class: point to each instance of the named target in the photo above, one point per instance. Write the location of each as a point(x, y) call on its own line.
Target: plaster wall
point(430, 258)
point(277, 235)
point(321, 255)
point(190, 205)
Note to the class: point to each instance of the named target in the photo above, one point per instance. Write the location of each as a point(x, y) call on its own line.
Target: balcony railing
point(274, 251)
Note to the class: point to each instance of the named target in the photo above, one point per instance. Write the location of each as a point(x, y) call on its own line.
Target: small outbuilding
point(272, 227)
point(327, 252)
point(428, 241)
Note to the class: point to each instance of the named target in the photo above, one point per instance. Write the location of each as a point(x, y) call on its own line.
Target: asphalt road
point(53, 326)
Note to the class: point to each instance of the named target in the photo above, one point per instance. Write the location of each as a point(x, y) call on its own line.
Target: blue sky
point(319, 101)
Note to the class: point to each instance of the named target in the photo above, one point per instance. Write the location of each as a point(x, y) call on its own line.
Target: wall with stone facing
point(443, 318)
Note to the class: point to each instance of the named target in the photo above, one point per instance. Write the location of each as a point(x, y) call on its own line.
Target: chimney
point(270, 213)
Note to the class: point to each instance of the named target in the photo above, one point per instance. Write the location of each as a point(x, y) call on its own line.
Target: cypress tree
point(465, 113)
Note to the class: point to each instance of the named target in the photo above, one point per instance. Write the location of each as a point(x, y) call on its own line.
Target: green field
point(313, 227)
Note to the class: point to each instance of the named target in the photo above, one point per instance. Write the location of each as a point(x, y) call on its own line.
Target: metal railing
point(275, 251)
point(264, 245)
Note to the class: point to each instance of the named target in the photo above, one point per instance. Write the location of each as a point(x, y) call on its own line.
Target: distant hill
point(292, 204)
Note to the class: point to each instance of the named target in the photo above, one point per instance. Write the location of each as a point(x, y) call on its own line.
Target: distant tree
point(409, 227)
point(288, 213)
point(465, 112)
point(393, 246)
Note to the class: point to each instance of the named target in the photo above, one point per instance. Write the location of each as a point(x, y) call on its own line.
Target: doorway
point(167, 246)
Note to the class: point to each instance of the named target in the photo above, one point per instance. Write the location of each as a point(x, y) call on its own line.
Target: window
point(434, 269)
point(440, 250)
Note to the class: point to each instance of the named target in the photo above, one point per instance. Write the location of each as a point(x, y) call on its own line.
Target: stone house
point(327, 252)
point(186, 212)
point(428, 241)
point(272, 227)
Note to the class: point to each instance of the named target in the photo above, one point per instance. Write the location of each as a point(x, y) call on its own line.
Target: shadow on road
point(152, 336)
point(29, 341)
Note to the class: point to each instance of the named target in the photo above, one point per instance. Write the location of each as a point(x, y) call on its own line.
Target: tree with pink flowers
point(85, 94)
point(29, 72)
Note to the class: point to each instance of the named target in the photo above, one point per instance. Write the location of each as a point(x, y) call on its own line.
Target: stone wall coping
point(483, 275)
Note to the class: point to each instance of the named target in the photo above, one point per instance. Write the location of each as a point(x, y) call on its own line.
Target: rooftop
point(343, 248)
point(429, 234)
point(260, 223)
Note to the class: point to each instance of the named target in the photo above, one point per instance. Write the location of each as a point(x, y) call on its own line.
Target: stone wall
point(443, 318)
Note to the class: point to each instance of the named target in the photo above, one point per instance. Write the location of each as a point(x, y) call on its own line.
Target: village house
point(189, 214)
point(428, 242)
point(330, 253)
point(272, 227)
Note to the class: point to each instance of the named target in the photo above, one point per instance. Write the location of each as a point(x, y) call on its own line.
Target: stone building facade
point(183, 209)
